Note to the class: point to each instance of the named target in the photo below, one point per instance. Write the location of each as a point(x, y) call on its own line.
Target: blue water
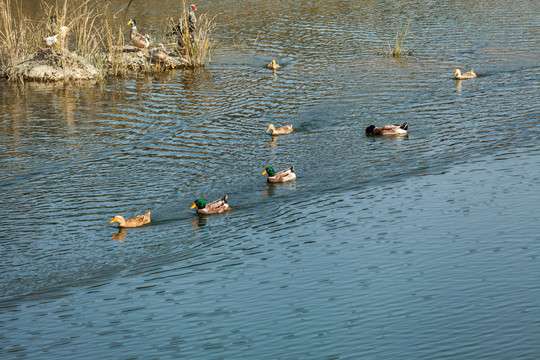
point(423, 247)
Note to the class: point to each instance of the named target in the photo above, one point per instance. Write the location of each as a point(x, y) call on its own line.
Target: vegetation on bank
point(95, 46)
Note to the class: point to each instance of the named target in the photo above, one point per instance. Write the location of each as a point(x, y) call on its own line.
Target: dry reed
point(94, 35)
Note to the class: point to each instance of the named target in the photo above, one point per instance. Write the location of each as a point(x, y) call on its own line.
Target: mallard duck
point(192, 20)
point(160, 55)
point(273, 65)
point(214, 207)
point(468, 75)
point(139, 40)
point(388, 129)
point(287, 129)
point(52, 40)
point(135, 221)
point(280, 176)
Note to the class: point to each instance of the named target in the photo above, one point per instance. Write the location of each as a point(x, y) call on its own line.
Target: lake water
point(424, 247)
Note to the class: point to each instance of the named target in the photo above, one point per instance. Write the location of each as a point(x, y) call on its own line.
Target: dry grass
point(197, 47)
point(94, 34)
point(397, 49)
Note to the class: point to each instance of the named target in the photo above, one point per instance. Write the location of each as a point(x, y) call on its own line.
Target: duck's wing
point(285, 175)
point(139, 220)
point(218, 205)
point(287, 129)
point(139, 39)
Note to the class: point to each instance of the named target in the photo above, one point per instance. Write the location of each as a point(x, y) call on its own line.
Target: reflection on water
point(377, 239)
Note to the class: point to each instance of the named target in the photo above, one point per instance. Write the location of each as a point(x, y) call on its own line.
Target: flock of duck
point(221, 205)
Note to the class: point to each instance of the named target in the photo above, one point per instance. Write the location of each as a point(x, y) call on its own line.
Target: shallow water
point(418, 247)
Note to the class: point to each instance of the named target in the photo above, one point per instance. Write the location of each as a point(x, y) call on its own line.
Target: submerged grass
point(397, 49)
point(95, 35)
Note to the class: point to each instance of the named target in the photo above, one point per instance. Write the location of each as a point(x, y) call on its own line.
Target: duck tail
point(225, 198)
point(405, 126)
point(292, 168)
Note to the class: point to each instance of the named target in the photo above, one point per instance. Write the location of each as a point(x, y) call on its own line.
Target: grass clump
point(397, 49)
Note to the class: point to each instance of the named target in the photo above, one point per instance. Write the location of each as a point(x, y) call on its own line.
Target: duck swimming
point(468, 75)
point(273, 65)
point(388, 130)
point(215, 207)
point(280, 176)
point(139, 40)
point(287, 129)
point(135, 221)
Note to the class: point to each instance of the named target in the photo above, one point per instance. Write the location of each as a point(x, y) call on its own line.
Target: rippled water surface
point(423, 247)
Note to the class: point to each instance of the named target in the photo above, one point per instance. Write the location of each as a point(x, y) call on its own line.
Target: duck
point(287, 129)
point(52, 40)
point(468, 75)
point(280, 176)
point(192, 19)
point(179, 28)
point(135, 221)
point(273, 65)
point(139, 40)
point(215, 207)
point(160, 55)
point(388, 129)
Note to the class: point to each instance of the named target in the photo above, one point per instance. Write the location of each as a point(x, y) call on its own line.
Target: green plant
point(397, 49)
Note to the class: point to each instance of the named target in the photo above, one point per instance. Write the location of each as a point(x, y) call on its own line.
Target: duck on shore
point(160, 55)
point(139, 40)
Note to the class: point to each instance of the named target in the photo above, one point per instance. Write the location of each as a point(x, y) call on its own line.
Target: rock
point(55, 65)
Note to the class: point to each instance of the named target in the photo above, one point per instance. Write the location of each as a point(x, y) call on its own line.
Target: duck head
point(132, 23)
point(271, 127)
point(193, 7)
point(119, 219)
point(369, 129)
point(457, 73)
point(270, 171)
point(199, 203)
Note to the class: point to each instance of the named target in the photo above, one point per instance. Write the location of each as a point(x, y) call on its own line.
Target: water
point(421, 247)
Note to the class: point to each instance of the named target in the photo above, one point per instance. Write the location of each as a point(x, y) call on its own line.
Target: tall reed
point(397, 49)
point(195, 48)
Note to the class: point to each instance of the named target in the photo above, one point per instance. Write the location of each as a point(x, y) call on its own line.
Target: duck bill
point(263, 173)
point(113, 220)
point(193, 206)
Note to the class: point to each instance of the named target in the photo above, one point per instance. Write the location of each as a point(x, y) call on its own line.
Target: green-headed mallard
point(135, 221)
point(287, 129)
point(214, 207)
point(273, 65)
point(388, 130)
point(138, 39)
point(468, 75)
point(280, 176)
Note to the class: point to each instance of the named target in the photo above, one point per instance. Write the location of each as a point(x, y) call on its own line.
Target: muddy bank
point(51, 65)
